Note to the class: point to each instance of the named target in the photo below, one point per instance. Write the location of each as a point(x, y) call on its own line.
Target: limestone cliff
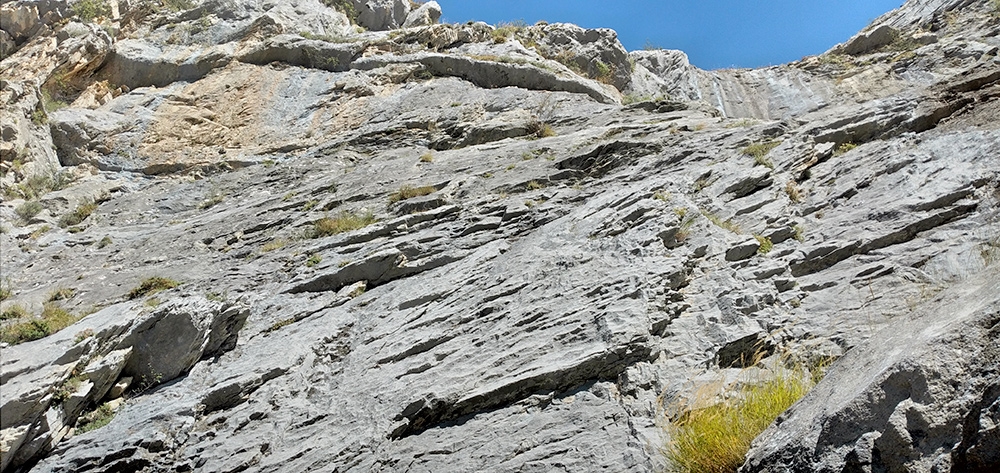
point(339, 236)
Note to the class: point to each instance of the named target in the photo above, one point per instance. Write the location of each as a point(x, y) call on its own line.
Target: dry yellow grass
point(716, 439)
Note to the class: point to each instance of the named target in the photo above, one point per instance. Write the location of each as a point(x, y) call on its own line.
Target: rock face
point(922, 395)
point(475, 248)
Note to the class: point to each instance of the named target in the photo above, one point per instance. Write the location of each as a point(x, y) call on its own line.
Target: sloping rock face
point(453, 248)
point(922, 395)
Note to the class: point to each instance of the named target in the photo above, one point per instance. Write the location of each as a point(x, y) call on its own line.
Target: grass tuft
point(28, 210)
point(844, 148)
point(89, 10)
point(53, 319)
point(409, 192)
point(794, 194)
point(758, 151)
point(716, 439)
point(63, 293)
point(95, 420)
point(344, 222)
point(151, 286)
point(541, 129)
point(78, 215)
point(765, 244)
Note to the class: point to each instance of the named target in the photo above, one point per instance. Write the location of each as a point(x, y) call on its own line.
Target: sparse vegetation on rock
point(376, 259)
point(344, 222)
point(152, 285)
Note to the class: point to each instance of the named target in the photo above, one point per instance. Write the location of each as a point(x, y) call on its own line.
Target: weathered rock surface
point(573, 265)
point(921, 395)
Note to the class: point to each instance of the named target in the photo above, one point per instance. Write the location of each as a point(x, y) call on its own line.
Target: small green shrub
point(89, 10)
point(104, 242)
point(96, 419)
point(78, 215)
point(765, 244)
point(427, 157)
point(604, 73)
point(39, 117)
point(313, 260)
point(534, 185)
point(67, 389)
point(716, 439)
point(844, 148)
point(409, 192)
point(151, 286)
point(344, 222)
point(28, 210)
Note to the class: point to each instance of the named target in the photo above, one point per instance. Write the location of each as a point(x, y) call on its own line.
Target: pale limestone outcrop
point(572, 266)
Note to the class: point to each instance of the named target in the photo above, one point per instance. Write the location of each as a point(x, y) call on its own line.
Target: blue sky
point(714, 33)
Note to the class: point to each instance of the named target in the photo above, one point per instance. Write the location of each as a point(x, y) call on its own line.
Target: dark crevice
point(430, 412)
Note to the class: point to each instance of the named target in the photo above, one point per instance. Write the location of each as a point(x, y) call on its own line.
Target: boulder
point(595, 52)
point(380, 15)
point(427, 14)
point(19, 21)
point(869, 41)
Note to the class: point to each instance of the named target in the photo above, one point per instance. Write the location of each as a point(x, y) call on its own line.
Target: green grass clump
point(151, 286)
point(540, 129)
point(53, 319)
point(313, 260)
point(603, 73)
point(6, 292)
point(28, 210)
point(765, 244)
point(844, 148)
point(716, 439)
point(78, 215)
point(95, 420)
point(88, 10)
point(409, 192)
point(344, 222)
point(758, 151)
point(15, 312)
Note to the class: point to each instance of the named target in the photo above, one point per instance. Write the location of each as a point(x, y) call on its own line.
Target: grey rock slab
point(743, 249)
point(899, 386)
